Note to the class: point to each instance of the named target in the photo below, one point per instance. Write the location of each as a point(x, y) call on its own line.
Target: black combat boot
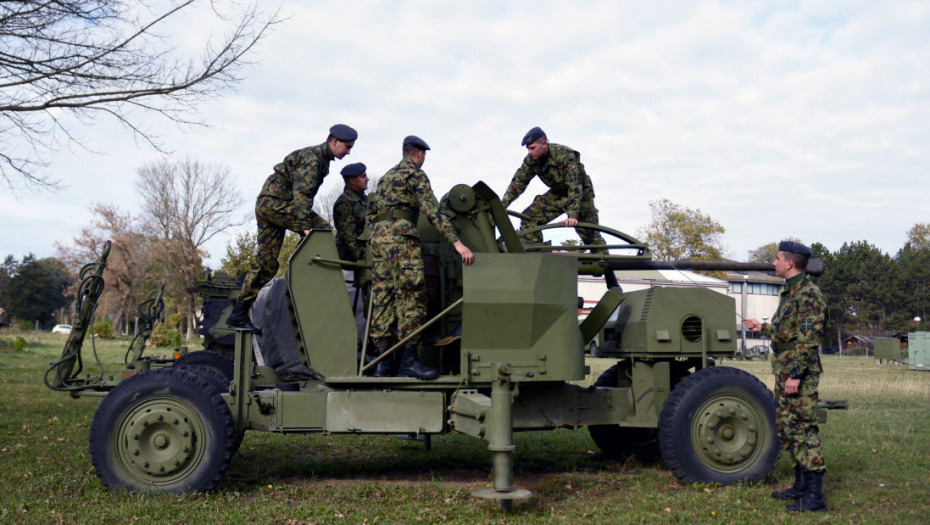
point(239, 318)
point(410, 365)
point(796, 490)
point(611, 279)
point(812, 499)
point(384, 367)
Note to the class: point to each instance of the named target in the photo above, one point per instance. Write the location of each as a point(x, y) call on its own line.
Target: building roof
point(754, 277)
point(663, 277)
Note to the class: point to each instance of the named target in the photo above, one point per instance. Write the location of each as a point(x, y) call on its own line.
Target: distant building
point(756, 295)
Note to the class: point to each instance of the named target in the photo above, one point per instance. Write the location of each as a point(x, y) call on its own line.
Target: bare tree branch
point(185, 204)
point(91, 58)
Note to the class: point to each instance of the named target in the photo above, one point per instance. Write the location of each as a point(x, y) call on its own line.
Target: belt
point(394, 214)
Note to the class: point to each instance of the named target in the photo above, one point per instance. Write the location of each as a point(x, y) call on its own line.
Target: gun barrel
point(814, 266)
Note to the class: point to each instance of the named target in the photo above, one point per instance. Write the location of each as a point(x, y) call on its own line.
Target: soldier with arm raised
point(796, 332)
point(398, 275)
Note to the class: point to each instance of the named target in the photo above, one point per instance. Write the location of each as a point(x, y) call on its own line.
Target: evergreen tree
point(38, 289)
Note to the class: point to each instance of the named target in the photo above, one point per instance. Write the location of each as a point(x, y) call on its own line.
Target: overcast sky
point(806, 119)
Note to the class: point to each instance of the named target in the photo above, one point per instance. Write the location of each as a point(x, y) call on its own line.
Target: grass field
point(877, 454)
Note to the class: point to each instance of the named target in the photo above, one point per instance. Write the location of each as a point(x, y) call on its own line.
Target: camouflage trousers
point(398, 288)
point(550, 205)
point(796, 422)
point(275, 217)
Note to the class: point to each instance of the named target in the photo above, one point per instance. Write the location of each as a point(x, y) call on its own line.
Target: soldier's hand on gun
point(752, 325)
point(571, 222)
point(467, 256)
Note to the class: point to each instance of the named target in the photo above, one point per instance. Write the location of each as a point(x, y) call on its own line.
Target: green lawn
point(877, 454)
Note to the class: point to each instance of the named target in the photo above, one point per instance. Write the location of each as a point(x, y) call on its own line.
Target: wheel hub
point(727, 432)
point(159, 440)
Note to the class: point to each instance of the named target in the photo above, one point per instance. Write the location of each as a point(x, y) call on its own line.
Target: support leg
point(500, 443)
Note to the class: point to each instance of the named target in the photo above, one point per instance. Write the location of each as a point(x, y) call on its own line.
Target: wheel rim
point(728, 432)
point(159, 441)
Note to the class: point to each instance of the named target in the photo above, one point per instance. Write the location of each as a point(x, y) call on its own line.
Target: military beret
point(353, 170)
point(532, 136)
point(416, 142)
point(343, 133)
point(794, 247)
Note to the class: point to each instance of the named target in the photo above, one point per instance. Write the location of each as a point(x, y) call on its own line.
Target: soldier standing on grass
point(570, 191)
point(286, 203)
point(398, 274)
point(796, 332)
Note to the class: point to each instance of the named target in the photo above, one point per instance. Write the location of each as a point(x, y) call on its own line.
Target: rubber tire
point(208, 358)
point(168, 416)
point(698, 409)
point(220, 382)
point(218, 379)
point(620, 443)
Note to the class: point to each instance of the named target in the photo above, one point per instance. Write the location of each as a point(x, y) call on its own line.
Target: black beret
point(353, 170)
point(343, 133)
point(416, 142)
point(794, 247)
point(532, 136)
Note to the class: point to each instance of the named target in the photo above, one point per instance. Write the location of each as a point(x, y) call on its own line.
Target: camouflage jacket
point(405, 190)
point(796, 329)
point(349, 218)
point(561, 170)
point(298, 177)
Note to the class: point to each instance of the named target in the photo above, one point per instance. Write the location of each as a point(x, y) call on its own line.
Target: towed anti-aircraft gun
point(521, 348)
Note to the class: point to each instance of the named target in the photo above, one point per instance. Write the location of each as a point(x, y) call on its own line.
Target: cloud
point(802, 119)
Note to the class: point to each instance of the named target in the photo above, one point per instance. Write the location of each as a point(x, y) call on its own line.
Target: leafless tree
point(81, 59)
point(325, 200)
point(127, 271)
point(185, 204)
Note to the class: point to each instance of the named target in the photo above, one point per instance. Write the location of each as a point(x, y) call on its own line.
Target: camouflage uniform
point(796, 331)
point(570, 192)
point(399, 283)
point(286, 203)
point(349, 215)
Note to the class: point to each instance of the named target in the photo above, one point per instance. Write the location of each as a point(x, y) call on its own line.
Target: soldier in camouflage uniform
point(398, 275)
point(570, 191)
point(349, 213)
point(349, 218)
point(286, 203)
point(796, 332)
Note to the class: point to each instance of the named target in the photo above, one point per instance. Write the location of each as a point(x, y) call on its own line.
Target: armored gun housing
point(514, 367)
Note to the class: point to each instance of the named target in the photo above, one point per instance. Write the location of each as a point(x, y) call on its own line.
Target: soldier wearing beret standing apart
point(398, 274)
point(286, 203)
point(796, 332)
point(570, 191)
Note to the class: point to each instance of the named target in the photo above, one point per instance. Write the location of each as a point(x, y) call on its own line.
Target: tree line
point(868, 292)
point(873, 294)
point(186, 203)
